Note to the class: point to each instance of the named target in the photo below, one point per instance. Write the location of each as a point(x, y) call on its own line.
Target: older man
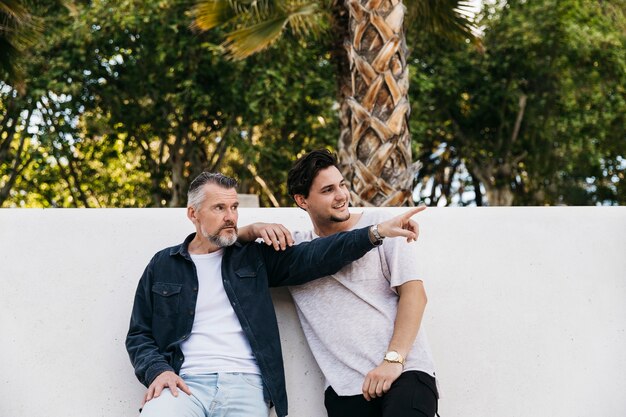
point(203, 321)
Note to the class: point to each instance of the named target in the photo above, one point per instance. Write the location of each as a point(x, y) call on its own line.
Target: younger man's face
point(328, 198)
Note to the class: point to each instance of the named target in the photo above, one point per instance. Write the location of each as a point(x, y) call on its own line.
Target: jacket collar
point(183, 248)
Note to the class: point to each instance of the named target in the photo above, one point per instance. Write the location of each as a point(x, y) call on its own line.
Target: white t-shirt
point(217, 342)
point(348, 318)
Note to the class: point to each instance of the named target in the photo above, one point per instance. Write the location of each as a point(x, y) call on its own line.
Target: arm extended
point(324, 256)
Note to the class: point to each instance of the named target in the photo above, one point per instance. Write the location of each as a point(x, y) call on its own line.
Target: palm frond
point(209, 14)
point(14, 10)
point(248, 40)
point(258, 23)
point(18, 31)
point(451, 19)
point(251, 39)
point(300, 19)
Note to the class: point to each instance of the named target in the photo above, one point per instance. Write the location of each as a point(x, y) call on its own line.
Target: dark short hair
point(304, 171)
point(195, 195)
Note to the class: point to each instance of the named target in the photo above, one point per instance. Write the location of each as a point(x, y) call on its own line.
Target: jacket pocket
point(166, 298)
point(246, 272)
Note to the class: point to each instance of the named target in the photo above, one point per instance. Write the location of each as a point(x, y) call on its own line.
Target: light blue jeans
point(213, 395)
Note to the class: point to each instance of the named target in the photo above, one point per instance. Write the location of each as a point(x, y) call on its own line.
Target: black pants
point(413, 394)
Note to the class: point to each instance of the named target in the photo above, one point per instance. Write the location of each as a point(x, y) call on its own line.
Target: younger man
point(363, 322)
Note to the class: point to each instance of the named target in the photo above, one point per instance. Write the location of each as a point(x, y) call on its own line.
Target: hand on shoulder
point(273, 234)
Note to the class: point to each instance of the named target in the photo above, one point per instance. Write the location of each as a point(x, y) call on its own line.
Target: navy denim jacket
point(165, 301)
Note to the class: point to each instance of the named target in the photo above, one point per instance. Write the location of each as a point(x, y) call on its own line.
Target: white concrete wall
point(526, 313)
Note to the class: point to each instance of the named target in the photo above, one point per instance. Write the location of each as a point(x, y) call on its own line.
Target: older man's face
point(217, 215)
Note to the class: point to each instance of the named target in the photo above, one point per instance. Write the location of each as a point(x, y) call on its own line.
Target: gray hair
point(195, 196)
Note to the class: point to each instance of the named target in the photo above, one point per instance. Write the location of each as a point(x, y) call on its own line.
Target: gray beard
point(221, 241)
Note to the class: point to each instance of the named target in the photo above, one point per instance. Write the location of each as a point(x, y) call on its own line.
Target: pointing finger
point(413, 211)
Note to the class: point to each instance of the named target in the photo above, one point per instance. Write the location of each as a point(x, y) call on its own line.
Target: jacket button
point(164, 292)
point(195, 289)
point(191, 312)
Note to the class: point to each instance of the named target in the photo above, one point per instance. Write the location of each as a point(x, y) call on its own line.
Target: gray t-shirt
point(348, 318)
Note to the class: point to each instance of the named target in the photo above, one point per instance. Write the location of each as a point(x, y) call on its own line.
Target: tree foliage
point(19, 30)
point(136, 104)
point(538, 118)
point(123, 103)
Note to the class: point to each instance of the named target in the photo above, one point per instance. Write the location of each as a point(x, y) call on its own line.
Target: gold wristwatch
point(394, 357)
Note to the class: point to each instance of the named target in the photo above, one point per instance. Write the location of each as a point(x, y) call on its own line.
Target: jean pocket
point(425, 395)
point(165, 298)
point(253, 380)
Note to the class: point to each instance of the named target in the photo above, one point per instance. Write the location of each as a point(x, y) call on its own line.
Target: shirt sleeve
point(318, 258)
point(401, 261)
point(142, 348)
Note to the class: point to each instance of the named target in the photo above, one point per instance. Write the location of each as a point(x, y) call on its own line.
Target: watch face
point(392, 356)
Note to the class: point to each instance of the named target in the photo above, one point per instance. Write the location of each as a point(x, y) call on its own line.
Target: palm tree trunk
point(343, 73)
point(376, 155)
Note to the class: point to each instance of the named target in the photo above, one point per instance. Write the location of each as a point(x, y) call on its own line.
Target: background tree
point(537, 119)
point(122, 103)
point(369, 53)
point(20, 141)
point(135, 104)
